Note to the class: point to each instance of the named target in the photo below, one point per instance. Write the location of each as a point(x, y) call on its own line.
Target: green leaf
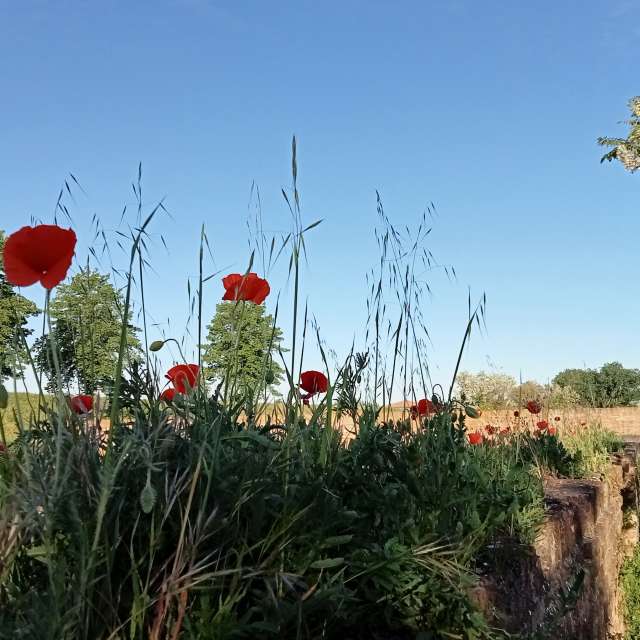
point(312, 225)
point(253, 435)
point(334, 541)
point(38, 553)
point(327, 563)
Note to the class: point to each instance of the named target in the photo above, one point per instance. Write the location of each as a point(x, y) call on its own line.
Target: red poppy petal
point(168, 395)
point(232, 280)
point(245, 287)
point(82, 403)
point(262, 291)
point(248, 287)
point(314, 382)
point(56, 274)
point(16, 267)
point(17, 272)
point(183, 376)
point(40, 253)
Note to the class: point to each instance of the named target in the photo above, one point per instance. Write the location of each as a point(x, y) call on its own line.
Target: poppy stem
point(61, 401)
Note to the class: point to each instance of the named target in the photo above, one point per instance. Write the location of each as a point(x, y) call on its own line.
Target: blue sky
point(488, 109)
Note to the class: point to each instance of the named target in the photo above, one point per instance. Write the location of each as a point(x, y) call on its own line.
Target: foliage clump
point(612, 385)
point(626, 150)
point(243, 344)
point(86, 320)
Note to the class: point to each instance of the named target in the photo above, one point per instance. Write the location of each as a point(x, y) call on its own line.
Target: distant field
point(624, 421)
point(21, 404)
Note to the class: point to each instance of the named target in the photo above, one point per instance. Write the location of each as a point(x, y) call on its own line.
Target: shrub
point(590, 447)
point(486, 390)
point(610, 386)
point(248, 532)
point(630, 585)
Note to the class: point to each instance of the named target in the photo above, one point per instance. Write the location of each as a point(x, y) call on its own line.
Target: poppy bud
point(156, 345)
point(4, 397)
point(472, 412)
point(269, 377)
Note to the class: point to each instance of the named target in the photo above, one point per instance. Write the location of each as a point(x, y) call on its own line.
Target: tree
point(500, 391)
point(15, 311)
point(610, 386)
point(241, 345)
point(486, 390)
point(626, 150)
point(87, 320)
point(582, 381)
point(617, 386)
point(529, 390)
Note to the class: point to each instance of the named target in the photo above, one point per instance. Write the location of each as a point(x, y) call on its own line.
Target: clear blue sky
point(488, 109)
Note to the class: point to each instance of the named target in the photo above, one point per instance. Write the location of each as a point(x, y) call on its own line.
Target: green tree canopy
point(15, 311)
point(242, 343)
point(610, 386)
point(626, 150)
point(87, 321)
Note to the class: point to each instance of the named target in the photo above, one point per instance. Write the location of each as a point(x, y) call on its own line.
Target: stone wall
point(566, 584)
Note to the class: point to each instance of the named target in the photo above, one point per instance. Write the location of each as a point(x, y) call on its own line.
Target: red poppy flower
point(426, 407)
point(168, 395)
point(583, 424)
point(245, 287)
point(313, 382)
point(423, 408)
point(505, 431)
point(475, 438)
point(81, 404)
point(543, 424)
point(490, 429)
point(516, 414)
point(183, 376)
point(2, 448)
point(552, 431)
point(39, 254)
point(557, 418)
point(534, 406)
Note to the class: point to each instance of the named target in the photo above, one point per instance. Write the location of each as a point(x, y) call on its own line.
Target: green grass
point(21, 404)
point(630, 584)
point(591, 447)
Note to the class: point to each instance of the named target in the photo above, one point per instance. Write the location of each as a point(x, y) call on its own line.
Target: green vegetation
point(242, 346)
point(262, 535)
point(610, 386)
point(86, 325)
point(626, 150)
point(22, 409)
point(195, 518)
point(630, 585)
point(495, 391)
point(590, 449)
